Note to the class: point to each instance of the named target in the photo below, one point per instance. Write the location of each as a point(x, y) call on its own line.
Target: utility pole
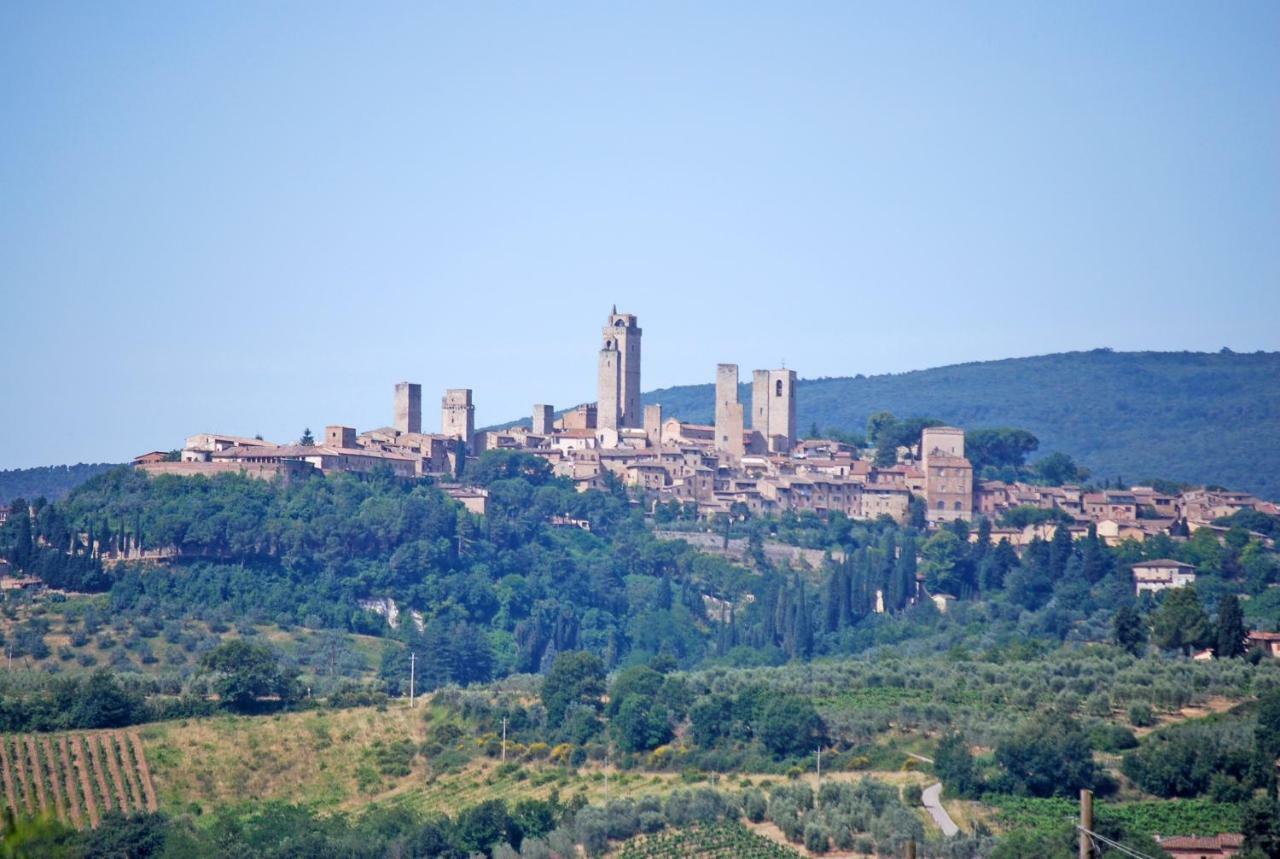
point(413, 659)
point(817, 797)
point(606, 775)
point(911, 849)
point(504, 739)
point(1086, 824)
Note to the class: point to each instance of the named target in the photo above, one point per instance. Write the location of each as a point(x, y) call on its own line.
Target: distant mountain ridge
point(1195, 417)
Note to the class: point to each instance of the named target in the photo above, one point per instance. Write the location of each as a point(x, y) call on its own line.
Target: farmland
point(724, 841)
point(76, 777)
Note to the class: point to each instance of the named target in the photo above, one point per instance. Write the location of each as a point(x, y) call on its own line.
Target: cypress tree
point(1230, 633)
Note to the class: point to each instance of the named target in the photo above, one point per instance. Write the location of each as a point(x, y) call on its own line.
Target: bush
point(816, 838)
point(1141, 716)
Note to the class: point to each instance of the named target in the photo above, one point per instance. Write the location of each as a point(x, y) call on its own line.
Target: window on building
point(778, 389)
point(957, 505)
point(942, 505)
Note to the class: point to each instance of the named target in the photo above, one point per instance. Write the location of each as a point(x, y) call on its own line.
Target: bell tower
point(619, 373)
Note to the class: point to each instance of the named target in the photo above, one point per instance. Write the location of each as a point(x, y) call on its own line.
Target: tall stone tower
point(773, 408)
point(729, 417)
point(408, 407)
point(458, 415)
point(619, 375)
point(544, 418)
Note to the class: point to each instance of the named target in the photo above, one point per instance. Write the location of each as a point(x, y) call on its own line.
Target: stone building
point(773, 408)
point(408, 410)
point(618, 381)
point(543, 419)
point(729, 416)
point(948, 476)
point(1155, 576)
point(458, 415)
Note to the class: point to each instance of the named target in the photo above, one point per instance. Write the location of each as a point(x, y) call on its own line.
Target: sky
point(258, 217)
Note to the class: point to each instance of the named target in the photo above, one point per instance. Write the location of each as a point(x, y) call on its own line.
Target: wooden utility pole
point(413, 669)
point(911, 849)
point(1086, 824)
point(504, 739)
point(817, 798)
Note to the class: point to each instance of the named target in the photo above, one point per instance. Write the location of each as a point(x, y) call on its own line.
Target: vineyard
point(1201, 816)
point(75, 777)
point(721, 841)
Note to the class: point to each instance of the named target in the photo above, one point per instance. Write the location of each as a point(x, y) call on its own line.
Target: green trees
point(307, 440)
point(790, 725)
point(946, 565)
point(1182, 760)
point(1229, 633)
point(103, 703)
point(642, 704)
point(1058, 468)
point(243, 673)
point(1267, 742)
point(1001, 447)
point(1048, 756)
point(953, 762)
point(1180, 623)
point(1129, 630)
point(575, 678)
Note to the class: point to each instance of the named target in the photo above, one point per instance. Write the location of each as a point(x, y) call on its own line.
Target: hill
point(1188, 416)
point(53, 482)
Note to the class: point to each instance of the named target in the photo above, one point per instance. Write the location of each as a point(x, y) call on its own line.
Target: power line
point(1114, 845)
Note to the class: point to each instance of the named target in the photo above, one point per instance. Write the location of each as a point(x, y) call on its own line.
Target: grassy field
point(122, 644)
point(343, 760)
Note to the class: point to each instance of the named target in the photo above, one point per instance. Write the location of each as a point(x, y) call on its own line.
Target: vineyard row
point(75, 777)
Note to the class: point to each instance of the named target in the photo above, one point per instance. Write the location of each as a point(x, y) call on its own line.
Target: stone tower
point(729, 417)
point(544, 418)
point(458, 415)
point(408, 407)
point(773, 408)
point(619, 376)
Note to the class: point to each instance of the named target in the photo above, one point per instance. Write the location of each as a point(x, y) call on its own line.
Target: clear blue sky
point(255, 217)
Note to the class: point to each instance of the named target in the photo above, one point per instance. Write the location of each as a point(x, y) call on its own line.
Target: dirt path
point(86, 785)
point(11, 793)
point(61, 809)
point(144, 771)
point(99, 771)
point(113, 766)
point(932, 800)
point(130, 771)
point(69, 781)
point(37, 774)
point(27, 794)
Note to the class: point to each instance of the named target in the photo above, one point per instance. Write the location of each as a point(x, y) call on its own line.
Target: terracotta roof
point(1228, 840)
point(1163, 562)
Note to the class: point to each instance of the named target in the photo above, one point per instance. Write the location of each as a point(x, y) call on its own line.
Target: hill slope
point(1189, 416)
point(53, 482)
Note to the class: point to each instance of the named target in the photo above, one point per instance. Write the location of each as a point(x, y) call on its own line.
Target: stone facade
point(618, 382)
point(948, 476)
point(408, 411)
point(543, 419)
point(458, 415)
point(729, 416)
point(773, 408)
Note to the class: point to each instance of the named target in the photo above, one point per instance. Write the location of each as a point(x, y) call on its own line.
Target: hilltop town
point(751, 460)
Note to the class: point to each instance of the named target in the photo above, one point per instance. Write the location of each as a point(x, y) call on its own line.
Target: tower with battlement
point(458, 415)
point(618, 378)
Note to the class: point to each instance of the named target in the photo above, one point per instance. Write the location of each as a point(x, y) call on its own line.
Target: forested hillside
point(1186, 416)
point(53, 482)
